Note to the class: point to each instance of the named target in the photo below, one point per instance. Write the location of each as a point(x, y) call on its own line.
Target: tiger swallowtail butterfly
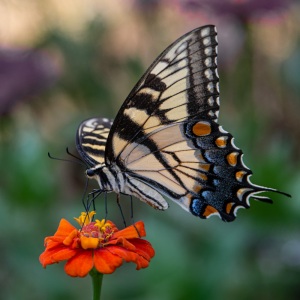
point(165, 139)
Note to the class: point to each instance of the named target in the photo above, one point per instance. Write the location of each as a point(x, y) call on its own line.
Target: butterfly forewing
point(181, 84)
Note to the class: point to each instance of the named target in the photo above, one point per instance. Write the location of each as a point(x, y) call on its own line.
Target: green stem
point(97, 283)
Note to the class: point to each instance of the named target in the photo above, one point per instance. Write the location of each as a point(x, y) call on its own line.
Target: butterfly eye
point(90, 173)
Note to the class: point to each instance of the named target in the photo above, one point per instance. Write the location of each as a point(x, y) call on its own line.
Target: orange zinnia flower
point(97, 244)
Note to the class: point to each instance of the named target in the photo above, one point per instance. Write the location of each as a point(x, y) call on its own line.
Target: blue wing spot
point(216, 182)
point(208, 196)
point(197, 207)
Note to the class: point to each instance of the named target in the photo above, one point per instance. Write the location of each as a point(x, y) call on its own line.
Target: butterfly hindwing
point(91, 140)
point(201, 171)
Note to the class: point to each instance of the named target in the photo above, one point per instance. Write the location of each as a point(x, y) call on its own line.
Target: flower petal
point(106, 262)
point(141, 262)
point(134, 231)
point(80, 264)
point(52, 243)
point(64, 254)
point(64, 228)
point(123, 253)
point(122, 242)
point(112, 225)
point(143, 248)
point(56, 255)
point(69, 240)
point(130, 256)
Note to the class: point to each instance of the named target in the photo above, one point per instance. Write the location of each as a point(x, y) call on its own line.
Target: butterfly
point(166, 141)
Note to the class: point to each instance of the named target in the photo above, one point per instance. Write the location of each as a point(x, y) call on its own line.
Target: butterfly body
point(165, 140)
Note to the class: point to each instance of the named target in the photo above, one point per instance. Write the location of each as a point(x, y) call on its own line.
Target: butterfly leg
point(90, 201)
point(118, 202)
point(105, 202)
point(131, 216)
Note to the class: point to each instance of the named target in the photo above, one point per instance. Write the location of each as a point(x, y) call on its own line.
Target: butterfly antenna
point(74, 156)
point(66, 160)
point(131, 216)
point(118, 202)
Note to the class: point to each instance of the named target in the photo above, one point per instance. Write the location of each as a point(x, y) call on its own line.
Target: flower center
point(95, 234)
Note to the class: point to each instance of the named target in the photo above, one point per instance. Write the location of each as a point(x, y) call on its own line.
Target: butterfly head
point(105, 178)
point(92, 172)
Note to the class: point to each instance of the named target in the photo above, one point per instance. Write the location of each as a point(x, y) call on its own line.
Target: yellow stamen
point(85, 218)
point(100, 224)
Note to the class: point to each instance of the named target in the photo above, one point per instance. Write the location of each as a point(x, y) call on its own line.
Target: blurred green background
point(64, 61)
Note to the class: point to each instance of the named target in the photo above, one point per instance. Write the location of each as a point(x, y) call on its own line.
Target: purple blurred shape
point(244, 10)
point(23, 74)
point(147, 4)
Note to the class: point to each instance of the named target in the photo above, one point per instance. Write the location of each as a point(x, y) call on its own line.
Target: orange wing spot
point(197, 188)
point(209, 210)
point(221, 141)
point(229, 207)
point(232, 158)
point(239, 175)
point(202, 129)
point(203, 176)
point(204, 167)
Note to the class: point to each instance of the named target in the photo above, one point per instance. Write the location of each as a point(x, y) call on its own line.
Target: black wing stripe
point(94, 141)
